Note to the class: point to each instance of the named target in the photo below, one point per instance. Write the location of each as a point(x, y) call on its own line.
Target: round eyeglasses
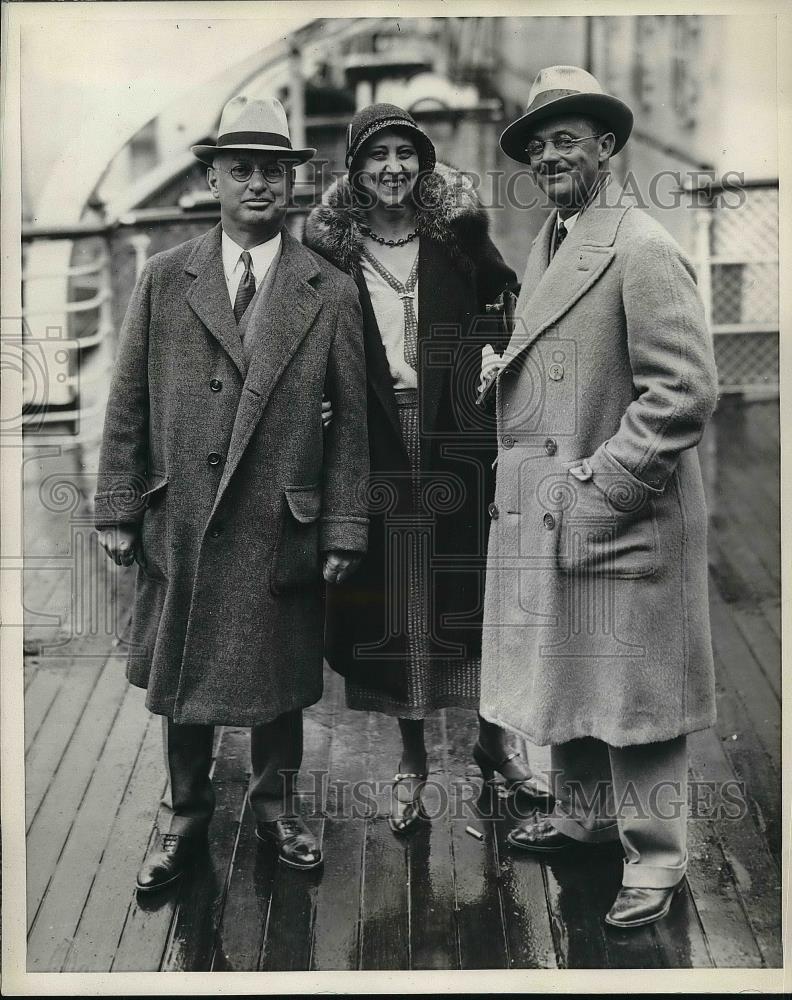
point(242, 172)
point(560, 143)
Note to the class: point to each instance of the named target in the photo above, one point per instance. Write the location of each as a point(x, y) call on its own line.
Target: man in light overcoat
point(217, 477)
point(596, 635)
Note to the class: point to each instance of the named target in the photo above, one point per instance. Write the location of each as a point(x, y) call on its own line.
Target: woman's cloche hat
point(377, 117)
point(566, 90)
point(255, 126)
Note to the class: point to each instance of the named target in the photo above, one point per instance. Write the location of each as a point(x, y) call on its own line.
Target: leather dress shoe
point(636, 906)
point(540, 837)
point(297, 846)
point(166, 862)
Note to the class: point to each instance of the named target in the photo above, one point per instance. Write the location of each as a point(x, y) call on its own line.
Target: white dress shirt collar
point(568, 223)
point(262, 256)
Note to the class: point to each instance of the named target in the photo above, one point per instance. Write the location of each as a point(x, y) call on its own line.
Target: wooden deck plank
point(758, 637)
point(289, 931)
point(738, 576)
point(113, 890)
point(755, 875)
point(580, 887)
point(528, 931)
point(761, 782)
point(742, 505)
point(430, 862)
point(385, 916)
point(336, 941)
point(60, 911)
point(80, 680)
point(240, 936)
point(482, 934)
point(40, 694)
point(52, 823)
point(718, 905)
point(680, 936)
point(739, 669)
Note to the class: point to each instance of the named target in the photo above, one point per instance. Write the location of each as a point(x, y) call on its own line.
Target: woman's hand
point(491, 364)
point(339, 564)
point(327, 412)
point(120, 544)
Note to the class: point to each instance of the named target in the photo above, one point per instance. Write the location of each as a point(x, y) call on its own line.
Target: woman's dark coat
point(459, 272)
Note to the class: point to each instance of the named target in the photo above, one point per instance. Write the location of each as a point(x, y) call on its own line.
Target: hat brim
point(207, 153)
point(609, 110)
point(427, 156)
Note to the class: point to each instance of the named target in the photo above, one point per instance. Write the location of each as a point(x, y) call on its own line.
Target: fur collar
point(450, 214)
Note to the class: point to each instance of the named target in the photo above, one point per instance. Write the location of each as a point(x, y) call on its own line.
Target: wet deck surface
point(439, 900)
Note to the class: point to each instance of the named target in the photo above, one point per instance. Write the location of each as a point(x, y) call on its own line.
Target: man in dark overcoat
point(596, 634)
point(217, 477)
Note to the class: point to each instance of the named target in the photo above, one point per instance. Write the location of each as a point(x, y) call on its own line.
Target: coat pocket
point(295, 560)
point(608, 524)
point(153, 540)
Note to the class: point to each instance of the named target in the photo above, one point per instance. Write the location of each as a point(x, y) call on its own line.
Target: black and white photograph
point(392, 497)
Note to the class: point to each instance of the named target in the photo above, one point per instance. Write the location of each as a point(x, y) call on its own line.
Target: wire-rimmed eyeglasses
point(561, 143)
point(241, 172)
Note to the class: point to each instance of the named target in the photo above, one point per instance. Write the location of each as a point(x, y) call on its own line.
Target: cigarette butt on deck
point(474, 833)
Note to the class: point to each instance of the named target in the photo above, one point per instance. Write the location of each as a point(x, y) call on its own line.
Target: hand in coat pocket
point(295, 559)
point(152, 548)
point(607, 524)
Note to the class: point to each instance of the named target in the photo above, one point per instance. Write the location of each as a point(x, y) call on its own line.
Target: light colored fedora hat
point(566, 90)
point(255, 125)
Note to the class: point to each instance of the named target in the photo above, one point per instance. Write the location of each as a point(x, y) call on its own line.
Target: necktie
point(561, 235)
point(247, 287)
point(406, 293)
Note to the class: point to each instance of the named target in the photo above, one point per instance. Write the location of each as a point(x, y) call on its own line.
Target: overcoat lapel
point(281, 323)
point(555, 287)
point(208, 295)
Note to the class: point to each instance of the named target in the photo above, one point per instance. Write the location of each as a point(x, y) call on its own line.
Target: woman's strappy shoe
point(530, 787)
point(406, 809)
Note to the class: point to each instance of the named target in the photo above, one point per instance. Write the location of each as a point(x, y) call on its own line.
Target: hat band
point(548, 96)
point(254, 139)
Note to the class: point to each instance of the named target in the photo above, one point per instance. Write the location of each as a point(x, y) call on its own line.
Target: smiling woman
point(405, 631)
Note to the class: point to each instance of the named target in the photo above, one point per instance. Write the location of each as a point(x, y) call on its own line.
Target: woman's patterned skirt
point(432, 682)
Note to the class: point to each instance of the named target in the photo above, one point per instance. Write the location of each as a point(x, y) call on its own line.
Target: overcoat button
point(215, 385)
point(550, 446)
point(507, 441)
point(549, 522)
point(493, 511)
point(213, 458)
point(556, 372)
point(215, 530)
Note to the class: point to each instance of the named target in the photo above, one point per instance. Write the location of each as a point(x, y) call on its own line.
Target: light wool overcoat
point(596, 615)
point(234, 485)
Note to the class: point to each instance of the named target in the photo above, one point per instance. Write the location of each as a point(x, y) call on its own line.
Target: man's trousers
point(635, 794)
point(276, 750)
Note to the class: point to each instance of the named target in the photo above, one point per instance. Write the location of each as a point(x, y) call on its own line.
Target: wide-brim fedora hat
point(253, 125)
point(566, 90)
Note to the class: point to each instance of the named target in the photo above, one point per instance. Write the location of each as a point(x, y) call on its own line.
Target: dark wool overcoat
point(596, 619)
point(459, 272)
point(236, 488)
